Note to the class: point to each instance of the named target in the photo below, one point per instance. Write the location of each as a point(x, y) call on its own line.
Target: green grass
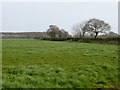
point(31, 63)
point(0, 63)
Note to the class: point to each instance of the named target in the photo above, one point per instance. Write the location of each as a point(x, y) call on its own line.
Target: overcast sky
point(37, 16)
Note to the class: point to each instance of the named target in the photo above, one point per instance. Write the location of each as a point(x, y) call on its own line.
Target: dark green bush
point(87, 40)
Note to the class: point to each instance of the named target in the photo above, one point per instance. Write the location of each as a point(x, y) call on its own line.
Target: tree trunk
point(80, 35)
point(83, 34)
point(96, 34)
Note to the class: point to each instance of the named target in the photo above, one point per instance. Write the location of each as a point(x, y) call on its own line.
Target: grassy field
point(0, 63)
point(31, 63)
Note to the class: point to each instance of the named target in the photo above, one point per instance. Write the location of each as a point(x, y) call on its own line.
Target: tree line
point(91, 27)
point(33, 35)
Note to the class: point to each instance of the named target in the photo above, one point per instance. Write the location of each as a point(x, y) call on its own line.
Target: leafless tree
point(78, 29)
point(92, 26)
point(96, 26)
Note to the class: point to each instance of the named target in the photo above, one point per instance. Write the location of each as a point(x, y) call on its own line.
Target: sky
point(37, 16)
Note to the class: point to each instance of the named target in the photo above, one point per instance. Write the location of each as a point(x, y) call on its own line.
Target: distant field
point(31, 63)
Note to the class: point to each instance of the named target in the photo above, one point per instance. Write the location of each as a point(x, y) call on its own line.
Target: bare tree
point(78, 29)
point(96, 26)
point(92, 26)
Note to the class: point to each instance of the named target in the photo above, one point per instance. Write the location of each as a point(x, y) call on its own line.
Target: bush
point(87, 40)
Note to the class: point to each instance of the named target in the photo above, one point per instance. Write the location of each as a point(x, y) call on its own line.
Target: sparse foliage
point(78, 29)
point(63, 34)
point(96, 26)
point(55, 32)
point(92, 26)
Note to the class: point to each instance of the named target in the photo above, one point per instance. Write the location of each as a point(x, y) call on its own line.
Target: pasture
point(29, 63)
